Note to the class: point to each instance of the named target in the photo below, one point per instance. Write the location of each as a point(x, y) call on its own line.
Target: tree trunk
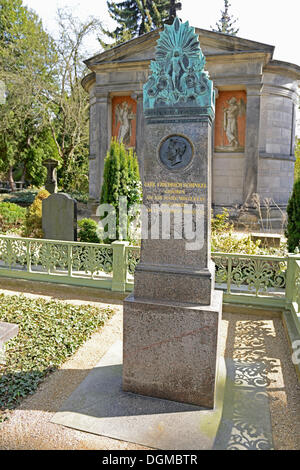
point(11, 179)
point(23, 174)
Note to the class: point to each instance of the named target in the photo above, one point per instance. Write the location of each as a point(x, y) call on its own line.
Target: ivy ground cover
point(49, 333)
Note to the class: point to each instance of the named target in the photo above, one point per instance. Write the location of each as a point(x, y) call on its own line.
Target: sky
point(271, 22)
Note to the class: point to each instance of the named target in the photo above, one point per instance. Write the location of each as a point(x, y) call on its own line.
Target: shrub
point(24, 198)
point(224, 240)
point(33, 222)
point(121, 178)
point(293, 226)
point(11, 216)
point(80, 197)
point(221, 223)
point(88, 231)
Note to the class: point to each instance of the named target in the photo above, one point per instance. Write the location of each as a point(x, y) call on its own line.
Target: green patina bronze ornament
point(178, 78)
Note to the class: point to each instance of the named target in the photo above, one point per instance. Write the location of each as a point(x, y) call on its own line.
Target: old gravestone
point(59, 219)
point(171, 320)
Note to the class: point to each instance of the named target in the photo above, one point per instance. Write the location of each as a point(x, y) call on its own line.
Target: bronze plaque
point(176, 152)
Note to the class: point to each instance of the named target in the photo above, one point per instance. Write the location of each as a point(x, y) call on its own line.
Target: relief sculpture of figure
point(124, 116)
point(175, 68)
point(231, 114)
point(176, 150)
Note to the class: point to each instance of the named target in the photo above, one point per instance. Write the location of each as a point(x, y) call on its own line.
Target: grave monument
point(171, 321)
point(60, 217)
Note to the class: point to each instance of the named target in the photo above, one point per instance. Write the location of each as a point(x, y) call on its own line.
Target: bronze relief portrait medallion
point(176, 152)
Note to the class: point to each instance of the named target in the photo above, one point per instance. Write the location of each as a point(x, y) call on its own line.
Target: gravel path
point(247, 338)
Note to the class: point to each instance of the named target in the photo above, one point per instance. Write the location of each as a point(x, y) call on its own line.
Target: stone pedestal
point(171, 349)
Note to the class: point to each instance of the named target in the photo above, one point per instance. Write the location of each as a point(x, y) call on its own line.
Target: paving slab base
point(240, 419)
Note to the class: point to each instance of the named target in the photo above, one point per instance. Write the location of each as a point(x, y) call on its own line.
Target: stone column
point(216, 90)
point(140, 123)
point(100, 136)
point(294, 122)
point(252, 141)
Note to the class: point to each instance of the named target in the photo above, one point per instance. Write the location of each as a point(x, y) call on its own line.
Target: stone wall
point(277, 124)
point(275, 179)
point(278, 115)
point(228, 178)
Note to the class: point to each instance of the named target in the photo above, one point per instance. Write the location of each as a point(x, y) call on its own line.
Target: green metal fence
point(252, 279)
point(266, 281)
point(63, 262)
point(293, 289)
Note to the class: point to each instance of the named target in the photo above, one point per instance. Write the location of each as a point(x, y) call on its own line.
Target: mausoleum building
point(254, 128)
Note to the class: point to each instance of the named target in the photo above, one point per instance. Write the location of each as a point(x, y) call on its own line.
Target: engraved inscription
point(180, 193)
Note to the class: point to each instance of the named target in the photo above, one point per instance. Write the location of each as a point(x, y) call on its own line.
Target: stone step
point(7, 332)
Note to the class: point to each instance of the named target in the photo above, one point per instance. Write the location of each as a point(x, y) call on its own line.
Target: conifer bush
point(88, 231)
point(293, 226)
point(121, 178)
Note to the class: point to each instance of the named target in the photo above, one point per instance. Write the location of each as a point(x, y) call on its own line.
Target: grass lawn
point(49, 333)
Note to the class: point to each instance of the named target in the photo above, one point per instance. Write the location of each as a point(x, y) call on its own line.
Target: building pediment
point(142, 48)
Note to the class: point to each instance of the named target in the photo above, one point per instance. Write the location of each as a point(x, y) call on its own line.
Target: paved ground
point(246, 338)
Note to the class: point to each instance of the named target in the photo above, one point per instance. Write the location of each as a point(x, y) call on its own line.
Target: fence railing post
point(28, 256)
point(70, 260)
point(229, 271)
point(290, 278)
point(119, 266)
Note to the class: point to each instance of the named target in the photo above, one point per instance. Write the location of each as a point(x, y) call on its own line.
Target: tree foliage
point(293, 226)
point(27, 67)
point(68, 106)
point(226, 23)
point(297, 163)
point(46, 111)
point(134, 18)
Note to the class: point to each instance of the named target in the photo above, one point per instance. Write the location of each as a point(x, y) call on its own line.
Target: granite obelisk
point(171, 320)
